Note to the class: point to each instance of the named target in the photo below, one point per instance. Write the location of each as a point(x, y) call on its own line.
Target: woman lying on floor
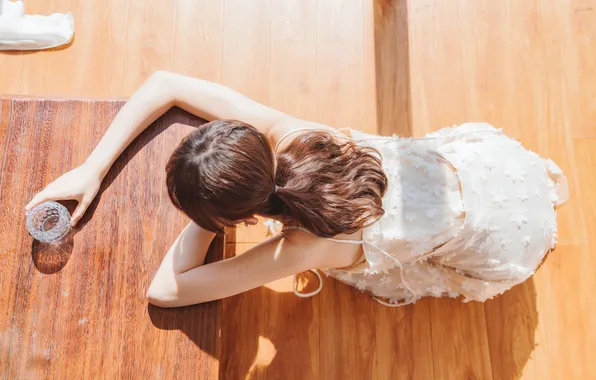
point(464, 211)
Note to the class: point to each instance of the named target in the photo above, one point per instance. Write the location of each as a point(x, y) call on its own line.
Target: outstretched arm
point(158, 94)
point(163, 91)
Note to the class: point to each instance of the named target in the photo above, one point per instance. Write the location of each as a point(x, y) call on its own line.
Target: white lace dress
point(468, 211)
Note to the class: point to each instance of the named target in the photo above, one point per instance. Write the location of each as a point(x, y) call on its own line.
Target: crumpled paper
point(19, 31)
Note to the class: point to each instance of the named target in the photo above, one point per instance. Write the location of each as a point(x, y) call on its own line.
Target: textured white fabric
point(19, 31)
point(469, 212)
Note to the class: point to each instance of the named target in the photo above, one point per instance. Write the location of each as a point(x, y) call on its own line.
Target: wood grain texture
point(267, 333)
point(520, 66)
point(387, 66)
point(405, 332)
point(341, 69)
point(66, 298)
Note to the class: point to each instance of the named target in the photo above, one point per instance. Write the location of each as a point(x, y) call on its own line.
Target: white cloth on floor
point(19, 31)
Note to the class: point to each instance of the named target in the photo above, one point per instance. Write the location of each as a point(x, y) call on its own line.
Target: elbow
point(163, 85)
point(160, 75)
point(161, 297)
point(159, 91)
point(160, 80)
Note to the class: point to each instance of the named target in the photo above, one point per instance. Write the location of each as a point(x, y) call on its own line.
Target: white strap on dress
point(392, 258)
point(320, 287)
point(315, 271)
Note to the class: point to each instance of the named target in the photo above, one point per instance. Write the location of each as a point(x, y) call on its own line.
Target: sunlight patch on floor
point(265, 354)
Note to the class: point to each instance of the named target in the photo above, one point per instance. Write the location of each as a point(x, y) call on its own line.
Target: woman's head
point(221, 174)
point(226, 172)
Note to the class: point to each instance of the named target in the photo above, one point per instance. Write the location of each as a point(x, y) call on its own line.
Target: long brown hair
point(226, 171)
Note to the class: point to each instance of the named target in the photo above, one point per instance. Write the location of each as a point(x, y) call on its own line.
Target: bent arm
point(273, 259)
point(187, 252)
point(163, 91)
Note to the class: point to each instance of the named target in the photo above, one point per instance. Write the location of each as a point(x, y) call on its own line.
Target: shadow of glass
point(50, 258)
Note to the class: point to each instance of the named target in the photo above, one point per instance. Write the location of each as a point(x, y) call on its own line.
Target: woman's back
point(468, 211)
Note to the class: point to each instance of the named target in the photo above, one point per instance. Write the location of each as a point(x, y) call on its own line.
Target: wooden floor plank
point(529, 87)
point(254, 318)
point(198, 34)
point(511, 323)
point(266, 331)
point(344, 75)
point(441, 90)
point(523, 66)
point(147, 48)
point(392, 67)
point(273, 48)
point(293, 54)
point(576, 325)
point(293, 51)
point(343, 96)
point(246, 318)
point(405, 332)
point(245, 67)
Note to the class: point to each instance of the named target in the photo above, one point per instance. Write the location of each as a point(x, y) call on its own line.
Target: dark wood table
point(77, 309)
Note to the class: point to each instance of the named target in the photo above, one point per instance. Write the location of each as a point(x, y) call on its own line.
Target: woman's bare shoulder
point(325, 253)
point(285, 130)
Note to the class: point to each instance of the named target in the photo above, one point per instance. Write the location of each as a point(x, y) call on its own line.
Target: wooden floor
point(387, 66)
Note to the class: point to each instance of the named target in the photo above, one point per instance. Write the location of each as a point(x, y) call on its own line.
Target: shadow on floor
point(189, 319)
point(512, 318)
point(50, 258)
point(392, 67)
point(166, 121)
point(266, 334)
point(511, 322)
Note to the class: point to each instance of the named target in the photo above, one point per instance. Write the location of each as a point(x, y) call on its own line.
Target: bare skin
point(182, 279)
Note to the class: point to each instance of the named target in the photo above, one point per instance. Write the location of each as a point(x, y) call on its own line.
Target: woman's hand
point(80, 184)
